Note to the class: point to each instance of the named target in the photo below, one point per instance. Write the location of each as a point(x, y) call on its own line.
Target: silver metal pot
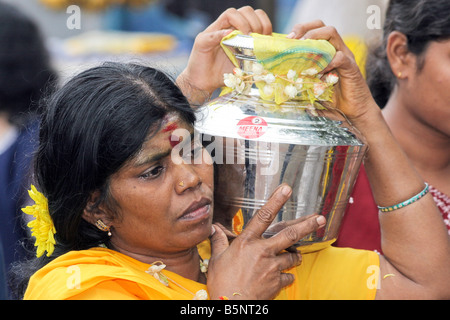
point(257, 145)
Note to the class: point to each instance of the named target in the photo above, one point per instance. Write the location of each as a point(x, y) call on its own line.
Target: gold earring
point(102, 226)
point(181, 184)
point(399, 74)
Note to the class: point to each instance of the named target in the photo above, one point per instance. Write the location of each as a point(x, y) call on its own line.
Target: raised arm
point(208, 62)
point(415, 243)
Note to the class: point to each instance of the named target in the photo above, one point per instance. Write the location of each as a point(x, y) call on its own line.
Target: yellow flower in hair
point(42, 227)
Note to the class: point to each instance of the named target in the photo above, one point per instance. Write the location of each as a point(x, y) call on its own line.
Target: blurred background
point(91, 34)
point(160, 32)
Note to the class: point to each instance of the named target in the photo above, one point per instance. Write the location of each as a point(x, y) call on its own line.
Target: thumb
point(219, 241)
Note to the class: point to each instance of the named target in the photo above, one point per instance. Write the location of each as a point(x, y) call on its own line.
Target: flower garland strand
point(42, 227)
point(280, 88)
point(157, 267)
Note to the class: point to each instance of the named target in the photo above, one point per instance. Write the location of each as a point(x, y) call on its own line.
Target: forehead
point(171, 125)
point(160, 142)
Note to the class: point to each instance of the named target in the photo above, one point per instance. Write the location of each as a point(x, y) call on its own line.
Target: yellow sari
point(100, 273)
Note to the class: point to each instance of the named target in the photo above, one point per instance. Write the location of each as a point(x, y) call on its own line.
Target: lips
point(197, 209)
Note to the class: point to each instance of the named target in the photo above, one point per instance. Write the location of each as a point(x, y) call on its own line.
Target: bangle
point(407, 202)
point(226, 298)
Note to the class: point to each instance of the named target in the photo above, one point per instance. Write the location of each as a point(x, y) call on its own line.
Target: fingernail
point(227, 32)
point(299, 255)
point(286, 191)
point(291, 35)
point(213, 230)
point(321, 221)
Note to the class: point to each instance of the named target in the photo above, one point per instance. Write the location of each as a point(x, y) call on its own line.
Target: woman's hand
point(208, 62)
point(251, 267)
point(353, 96)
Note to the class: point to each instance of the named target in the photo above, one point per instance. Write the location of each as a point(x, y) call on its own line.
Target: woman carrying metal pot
point(119, 219)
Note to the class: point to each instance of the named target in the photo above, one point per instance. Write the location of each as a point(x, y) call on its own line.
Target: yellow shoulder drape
point(99, 273)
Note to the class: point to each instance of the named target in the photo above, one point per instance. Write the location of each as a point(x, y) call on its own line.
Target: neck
point(184, 263)
point(419, 140)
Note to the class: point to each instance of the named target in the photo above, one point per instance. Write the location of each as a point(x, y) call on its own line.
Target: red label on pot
point(252, 127)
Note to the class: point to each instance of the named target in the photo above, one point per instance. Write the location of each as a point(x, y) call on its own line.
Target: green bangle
point(407, 202)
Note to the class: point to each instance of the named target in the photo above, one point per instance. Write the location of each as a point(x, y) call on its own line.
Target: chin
point(200, 234)
point(191, 232)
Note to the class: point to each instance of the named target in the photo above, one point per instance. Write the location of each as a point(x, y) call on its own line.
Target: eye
point(152, 173)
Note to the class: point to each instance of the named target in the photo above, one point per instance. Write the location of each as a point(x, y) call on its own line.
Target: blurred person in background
point(24, 72)
point(409, 77)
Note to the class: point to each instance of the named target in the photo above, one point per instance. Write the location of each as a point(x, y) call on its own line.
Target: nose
point(186, 178)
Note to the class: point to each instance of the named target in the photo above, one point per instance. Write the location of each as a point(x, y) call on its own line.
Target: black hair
point(24, 64)
point(421, 21)
point(90, 127)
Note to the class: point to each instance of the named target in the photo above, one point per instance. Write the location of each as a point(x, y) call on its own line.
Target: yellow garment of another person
point(359, 50)
point(100, 273)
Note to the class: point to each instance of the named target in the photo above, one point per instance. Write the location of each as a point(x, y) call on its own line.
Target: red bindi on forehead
point(170, 127)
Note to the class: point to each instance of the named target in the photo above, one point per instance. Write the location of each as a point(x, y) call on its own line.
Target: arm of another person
point(415, 243)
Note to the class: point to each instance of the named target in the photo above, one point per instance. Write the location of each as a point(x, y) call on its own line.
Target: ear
point(401, 60)
point(95, 211)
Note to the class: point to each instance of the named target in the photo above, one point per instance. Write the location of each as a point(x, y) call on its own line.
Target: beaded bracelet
point(407, 202)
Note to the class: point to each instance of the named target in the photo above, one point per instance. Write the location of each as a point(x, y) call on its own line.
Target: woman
point(409, 76)
point(110, 180)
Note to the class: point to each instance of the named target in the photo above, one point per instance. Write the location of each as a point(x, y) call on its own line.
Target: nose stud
point(181, 183)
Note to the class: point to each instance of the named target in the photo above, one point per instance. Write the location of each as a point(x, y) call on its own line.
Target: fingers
point(266, 25)
point(286, 279)
point(264, 216)
point(252, 18)
point(234, 19)
point(293, 233)
point(219, 241)
point(230, 234)
point(207, 40)
point(328, 33)
point(287, 260)
point(299, 30)
point(277, 227)
point(343, 61)
point(245, 19)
